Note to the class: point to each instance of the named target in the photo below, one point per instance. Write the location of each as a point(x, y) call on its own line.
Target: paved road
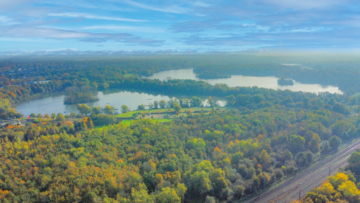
point(308, 179)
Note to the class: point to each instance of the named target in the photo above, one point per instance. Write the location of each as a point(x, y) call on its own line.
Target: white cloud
point(305, 4)
point(4, 20)
point(171, 9)
point(131, 28)
point(9, 3)
point(26, 32)
point(89, 16)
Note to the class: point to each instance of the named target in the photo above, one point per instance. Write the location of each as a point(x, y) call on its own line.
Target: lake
point(116, 98)
point(269, 82)
point(55, 104)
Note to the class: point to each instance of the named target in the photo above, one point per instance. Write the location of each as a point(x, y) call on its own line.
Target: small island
point(285, 81)
point(75, 95)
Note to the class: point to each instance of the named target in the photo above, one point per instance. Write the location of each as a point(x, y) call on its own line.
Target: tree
point(156, 104)
point(354, 163)
point(264, 159)
point(177, 107)
point(350, 191)
point(141, 195)
point(151, 105)
point(141, 107)
point(124, 108)
point(340, 108)
point(171, 103)
point(286, 155)
point(105, 85)
point(60, 117)
point(211, 102)
point(338, 128)
point(314, 144)
point(47, 116)
point(195, 101)
point(83, 109)
point(108, 109)
point(96, 110)
point(168, 195)
point(53, 115)
point(162, 104)
point(32, 115)
point(230, 100)
point(296, 143)
point(334, 142)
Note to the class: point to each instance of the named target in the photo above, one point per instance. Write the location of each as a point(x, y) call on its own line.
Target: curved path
point(307, 179)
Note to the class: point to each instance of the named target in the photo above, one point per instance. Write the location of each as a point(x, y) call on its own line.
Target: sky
point(177, 26)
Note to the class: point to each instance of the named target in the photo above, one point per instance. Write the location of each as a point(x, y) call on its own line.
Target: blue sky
point(184, 26)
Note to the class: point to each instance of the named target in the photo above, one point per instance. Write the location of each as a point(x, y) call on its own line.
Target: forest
point(225, 154)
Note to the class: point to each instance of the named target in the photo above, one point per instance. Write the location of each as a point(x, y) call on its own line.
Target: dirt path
point(308, 179)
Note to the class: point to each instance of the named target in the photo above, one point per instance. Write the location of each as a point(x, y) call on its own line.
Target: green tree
point(83, 109)
point(168, 195)
point(109, 109)
point(96, 110)
point(230, 100)
point(354, 163)
point(334, 142)
point(177, 107)
point(195, 101)
point(264, 159)
point(124, 109)
point(314, 144)
point(338, 128)
point(141, 195)
point(60, 117)
point(162, 104)
point(296, 143)
point(141, 107)
point(156, 104)
point(105, 85)
point(53, 115)
point(211, 102)
point(151, 105)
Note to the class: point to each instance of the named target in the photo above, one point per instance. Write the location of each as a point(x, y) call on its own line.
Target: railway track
point(307, 179)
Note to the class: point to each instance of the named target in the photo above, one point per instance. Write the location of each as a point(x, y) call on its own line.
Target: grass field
point(128, 75)
point(162, 111)
point(130, 114)
point(161, 120)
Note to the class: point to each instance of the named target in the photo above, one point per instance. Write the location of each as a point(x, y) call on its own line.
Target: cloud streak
point(89, 16)
point(31, 32)
point(170, 9)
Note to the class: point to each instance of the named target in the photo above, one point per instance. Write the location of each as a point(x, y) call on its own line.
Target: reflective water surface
point(116, 98)
point(246, 81)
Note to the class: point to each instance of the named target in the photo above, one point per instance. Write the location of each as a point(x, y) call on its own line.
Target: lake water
point(55, 104)
point(116, 98)
point(246, 81)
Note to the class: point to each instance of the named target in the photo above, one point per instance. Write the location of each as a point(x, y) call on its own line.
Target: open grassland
point(131, 114)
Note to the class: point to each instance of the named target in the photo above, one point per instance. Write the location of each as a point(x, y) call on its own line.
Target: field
point(134, 114)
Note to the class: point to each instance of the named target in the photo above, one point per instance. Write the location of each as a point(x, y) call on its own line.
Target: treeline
point(342, 187)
